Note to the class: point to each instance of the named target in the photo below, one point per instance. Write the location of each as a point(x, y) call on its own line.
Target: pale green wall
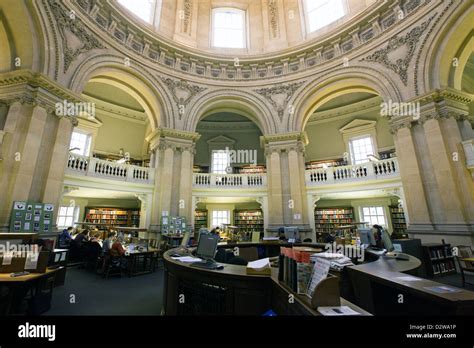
point(243, 141)
point(226, 206)
point(326, 142)
point(116, 133)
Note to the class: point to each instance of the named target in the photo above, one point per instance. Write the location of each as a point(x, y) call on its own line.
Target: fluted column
point(439, 190)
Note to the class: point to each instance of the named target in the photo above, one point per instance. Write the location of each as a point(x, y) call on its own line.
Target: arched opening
point(228, 155)
point(349, 141)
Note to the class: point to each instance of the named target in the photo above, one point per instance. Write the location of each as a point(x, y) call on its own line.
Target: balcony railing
point(231, 181)
point(353, 173)
point(94, 167)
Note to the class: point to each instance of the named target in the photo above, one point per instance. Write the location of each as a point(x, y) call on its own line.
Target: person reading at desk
point(108, 242)
point(65, 238)
point(117, 248)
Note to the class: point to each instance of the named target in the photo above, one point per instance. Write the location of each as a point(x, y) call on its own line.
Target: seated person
point(216, 230)
point(96, 239)
point(82, 238)
point(107, 244)
point(330, 238)
point(65, 238)
point(377, 231)
point(281, 233)
point(117, 248)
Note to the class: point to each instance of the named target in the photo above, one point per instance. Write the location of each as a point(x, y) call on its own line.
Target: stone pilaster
point(287, 202)
point(438, 187)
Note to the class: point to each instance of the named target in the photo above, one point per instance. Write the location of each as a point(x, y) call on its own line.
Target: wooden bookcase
point(249, 220)
point(328, 219)
point(113, 216)
point(250, 170)
point(200, 219)
point(438, 259)
point(399, 223)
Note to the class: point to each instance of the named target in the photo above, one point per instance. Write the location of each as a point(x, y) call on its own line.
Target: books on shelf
point(398, 220)
point(249, 220)
point(113, 216)
point(438, 259)
point(200, 219)
point(328, 219)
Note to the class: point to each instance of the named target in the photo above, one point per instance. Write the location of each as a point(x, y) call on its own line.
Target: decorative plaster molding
point(279, 96)
point(284, 137)
point(273, 16)
point(182, 92)
point(188, 9)
point(66, 21)
point(395, 45)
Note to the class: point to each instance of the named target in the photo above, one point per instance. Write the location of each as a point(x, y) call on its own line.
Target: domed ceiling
point(242, 27)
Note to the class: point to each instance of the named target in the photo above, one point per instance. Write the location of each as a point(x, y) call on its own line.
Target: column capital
point(178, 140)
point(295, 141)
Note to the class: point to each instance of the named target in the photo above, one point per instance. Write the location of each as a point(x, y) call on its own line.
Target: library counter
point(375, 287)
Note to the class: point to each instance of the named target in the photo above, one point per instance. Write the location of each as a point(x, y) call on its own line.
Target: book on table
point(259, 267)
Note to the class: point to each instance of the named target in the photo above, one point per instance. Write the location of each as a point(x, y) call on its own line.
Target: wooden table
point(18, 287)
point(141, 262)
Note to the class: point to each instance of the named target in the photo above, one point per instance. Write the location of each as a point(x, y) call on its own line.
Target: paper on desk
point(259, 264)
point(186, 259)
point(63, 256)
point(409, 278)
point(31, 260)
point(7, 259)
point(337, 311)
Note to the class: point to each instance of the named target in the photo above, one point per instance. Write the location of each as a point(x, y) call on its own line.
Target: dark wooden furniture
point(141, 262)
point(438, 259)
point(465, 259)
point(382, 288)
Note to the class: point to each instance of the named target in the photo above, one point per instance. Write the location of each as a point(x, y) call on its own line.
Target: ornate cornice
point(67, 20)
point(110, 19)
point(409, 40)
point(280, 95)
point(284, 137)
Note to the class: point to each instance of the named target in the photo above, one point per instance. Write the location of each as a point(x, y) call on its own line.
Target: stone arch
point(338, 83)
point(447, 40)
point(148, 91)
point(19, 38)
point(233, 101)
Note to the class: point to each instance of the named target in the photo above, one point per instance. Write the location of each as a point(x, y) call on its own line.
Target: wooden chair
point(465, 258)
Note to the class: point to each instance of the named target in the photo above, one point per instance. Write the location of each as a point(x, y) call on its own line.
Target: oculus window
point(374, 216)
point(320, 13)
point(361, 148)
point(228, 28)
point(146, 10)
point(220, 217)
point(80, 143)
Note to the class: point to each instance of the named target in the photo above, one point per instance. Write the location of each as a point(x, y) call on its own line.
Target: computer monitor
point(387, 242)
point(207, 246)
point(366, 236)
point(185, 240)
point(291, 233)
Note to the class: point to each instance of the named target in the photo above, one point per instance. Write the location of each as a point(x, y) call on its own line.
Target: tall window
point(360, 148)
point(220, 162)
point(228, 28)
point(374, 216)
point(67, 216)
point(320, 13)
point(80, 143)
point(220, 217)
point(144, 9)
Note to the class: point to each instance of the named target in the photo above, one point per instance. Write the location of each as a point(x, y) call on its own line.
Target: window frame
point(351, 148)
point(88, 145)
point(155, 12)
point(306, 17)
point(213, 170)
point(74, 216)
point(384, 215)
point(243, 12)
point(226, 211)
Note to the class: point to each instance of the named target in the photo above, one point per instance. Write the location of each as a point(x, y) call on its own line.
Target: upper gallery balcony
point(98, 168)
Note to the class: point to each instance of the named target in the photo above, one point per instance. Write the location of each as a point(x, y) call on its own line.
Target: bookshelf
point(113, 216)
point(398, 220)
point(251, 170)
point(438, 259)
point(200, 219)
point(327, 219)
point(249, 220)
point(325, 163)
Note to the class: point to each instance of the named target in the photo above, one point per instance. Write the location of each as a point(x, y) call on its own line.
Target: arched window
point(320, 13)
point(147, 10)
point(228, 28)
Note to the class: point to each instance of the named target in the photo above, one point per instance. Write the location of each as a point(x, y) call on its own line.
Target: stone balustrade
point(353, 173)
point(94, 167)
point(229, 181)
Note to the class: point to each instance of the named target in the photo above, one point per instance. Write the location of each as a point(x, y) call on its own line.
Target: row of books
point(333, 211)
point(295, 267)
point(444, 267)
point(108, 212)
point(107, 217)
point(440, 253)
point(335, 216)
point(107, 221)
point(337, 221)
